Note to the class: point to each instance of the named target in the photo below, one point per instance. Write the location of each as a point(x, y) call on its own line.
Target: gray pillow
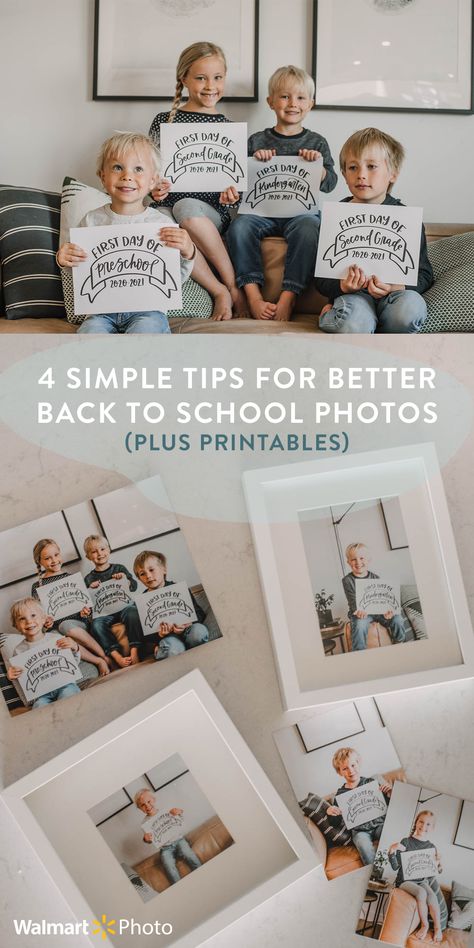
point(462, 907)
point(334, 830)
point(450, 300)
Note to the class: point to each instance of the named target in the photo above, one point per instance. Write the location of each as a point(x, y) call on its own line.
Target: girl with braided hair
point(201, 70)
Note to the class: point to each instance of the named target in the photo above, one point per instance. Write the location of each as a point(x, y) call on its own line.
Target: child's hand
point(96, 584)
point(388, 615)
point(354, 281)
point(386, 788)
point(165, 629)
point(333, 811)
point(70, 255)
point(148, 837)
point(177, 629)
point(379, 290)
point(85, 611)
point(393, 848)
point(264, 154)
point(118, 575)
point(229, 196)
point(67, 642)
point(159, 193)
point(48, 622)
point(176, 811)
point(14, 672)
point(178, 239)
point(360, 614)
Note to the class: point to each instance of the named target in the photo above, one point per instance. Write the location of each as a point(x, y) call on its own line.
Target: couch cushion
point(462, 907)
point(450, 300)
point(29, 236)
point(76, 201)
point(412, 607)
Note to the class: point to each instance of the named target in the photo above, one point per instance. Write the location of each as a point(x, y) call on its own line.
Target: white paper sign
point(419, 864)
point(381, 239)
point(45, 669)
point(127, 270)
point(164, 827)
point(361, 805)
point(204, 156)
point(110, 597)
point(377, 596)
point(171, 604)
point(286, 186)
point(65, 597)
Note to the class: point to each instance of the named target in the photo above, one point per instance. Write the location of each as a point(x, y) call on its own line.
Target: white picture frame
point(81, 864)
point(275, 499)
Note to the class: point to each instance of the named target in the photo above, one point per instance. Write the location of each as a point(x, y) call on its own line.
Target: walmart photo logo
point(101, 927)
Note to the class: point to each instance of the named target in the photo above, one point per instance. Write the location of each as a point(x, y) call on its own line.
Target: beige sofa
point(304, 319)
point(402, 919)
point(207, 840)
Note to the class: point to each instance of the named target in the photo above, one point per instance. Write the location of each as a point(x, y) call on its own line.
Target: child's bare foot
point(285, 306)
point(438, 935)
point(261, 309)
point(121, 660)
point(240, 305)
point(421, 932)
point(103, 668)
point(222, 306)
point(134, 656)
point(325, 309)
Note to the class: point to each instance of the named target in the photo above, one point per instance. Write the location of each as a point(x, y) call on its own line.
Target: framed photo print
point(393, 55)
point(349, 615)
point(147, 70)
point(170, 809)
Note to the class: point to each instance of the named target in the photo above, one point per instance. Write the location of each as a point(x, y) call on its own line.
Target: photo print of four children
point(95, 589)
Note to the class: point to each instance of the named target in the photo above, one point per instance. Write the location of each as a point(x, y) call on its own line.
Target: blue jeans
point(197, 634)
point(301, 233)
point(401, 311)
point(360, 630)
point(180, 849)
point(126, 322)
point(67, 691)
point(364, 843)
point(102, 629)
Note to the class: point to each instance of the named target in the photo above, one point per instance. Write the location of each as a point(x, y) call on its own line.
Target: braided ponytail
point(176, 100)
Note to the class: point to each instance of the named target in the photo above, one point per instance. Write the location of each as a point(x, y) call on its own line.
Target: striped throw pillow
point(29, 238)
point(315, 808)
point(450, 301)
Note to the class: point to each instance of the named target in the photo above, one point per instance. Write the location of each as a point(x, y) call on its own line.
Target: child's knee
point(406, 311)
point(350, 313)
point(198, 634)
point(169, 645)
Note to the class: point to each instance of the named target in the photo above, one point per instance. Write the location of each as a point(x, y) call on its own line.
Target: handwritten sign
point(127, 270)
point(65, 597)
point(361, 805)
point(200, 156)
point(45, 669)
point(171, 604)
point(377, 596)
point(419, 864)
point(381, 239)
point(164, 827)
point(282, 187)
point(110, 597)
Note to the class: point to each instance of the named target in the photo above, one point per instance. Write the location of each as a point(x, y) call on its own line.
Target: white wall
point(52, 128)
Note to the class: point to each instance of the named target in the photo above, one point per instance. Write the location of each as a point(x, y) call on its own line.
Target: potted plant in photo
point(323, 601)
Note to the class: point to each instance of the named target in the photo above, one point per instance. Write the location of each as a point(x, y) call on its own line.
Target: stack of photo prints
point(364, 595)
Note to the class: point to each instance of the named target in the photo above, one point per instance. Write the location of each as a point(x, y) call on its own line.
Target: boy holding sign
point(28, 618)
point(365, 836)
point(150, 568)
point(128, 166)
point(291, 96)
point(370, 161)
point(358, 558)
point(163, 828)
point(97, 551)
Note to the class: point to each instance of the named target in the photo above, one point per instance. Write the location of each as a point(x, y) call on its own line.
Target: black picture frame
point(165, 95)
point(436, 88)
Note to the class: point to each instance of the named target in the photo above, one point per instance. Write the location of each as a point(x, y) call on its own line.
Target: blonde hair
point(94, 538)
point(122, 142)
point(145, 555)
point(394, 152)
point(188, 57)
point(353, 547)
point(38, 549)
point(417, 817)
point(287, 74)
point(138, 795)
point(341, 756)
point(16, 607)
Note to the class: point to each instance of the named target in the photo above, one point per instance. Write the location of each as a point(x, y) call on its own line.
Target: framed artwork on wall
point(394, 55)
point(147, 69)
point(400, 616)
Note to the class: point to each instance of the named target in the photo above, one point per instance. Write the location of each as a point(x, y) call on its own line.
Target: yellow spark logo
point(104, 927)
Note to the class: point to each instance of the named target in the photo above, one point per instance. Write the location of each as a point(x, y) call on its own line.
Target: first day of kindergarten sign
point(127, 270)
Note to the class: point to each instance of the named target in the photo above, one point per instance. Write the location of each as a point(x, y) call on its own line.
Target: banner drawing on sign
point(361, 805)
point(199, 158)
point(282, 187)
point(110, 597)
point(46, 668)
point(65, 597)
point(419, 864)
point(171, 604)
point(381, 239)
point(165, 828)
point(377, 596)
point(127, 270)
